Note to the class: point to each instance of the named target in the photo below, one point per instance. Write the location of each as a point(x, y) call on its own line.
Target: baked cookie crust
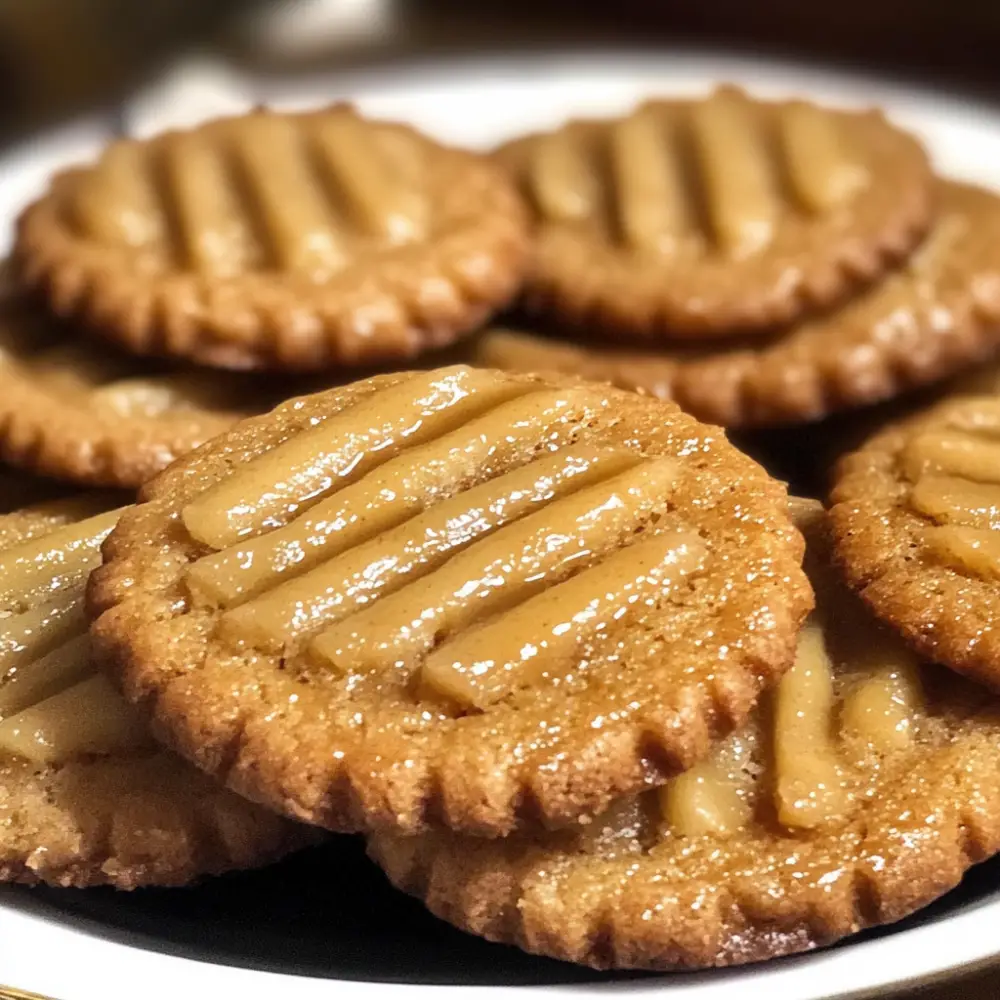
point(278, 241)
point(936, 315)
point(690, 220)
point(863, 790)
point(86, 797)
point(89, 414)
point(915, 517)
point(325, 606)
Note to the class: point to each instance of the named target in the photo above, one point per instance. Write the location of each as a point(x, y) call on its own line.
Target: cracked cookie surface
point(453, 597)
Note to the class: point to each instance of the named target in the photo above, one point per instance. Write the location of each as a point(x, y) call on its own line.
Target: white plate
point(97, 947)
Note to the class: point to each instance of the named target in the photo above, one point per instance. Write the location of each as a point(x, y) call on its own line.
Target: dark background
point(58, 57)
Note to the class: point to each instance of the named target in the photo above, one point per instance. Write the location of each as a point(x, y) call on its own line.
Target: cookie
point(934, 316)
point(453, 597)
point(915, 515)
point(93, 415)
point(695, 219)
point(271, 240)
point(86, 797)
point(860, 792)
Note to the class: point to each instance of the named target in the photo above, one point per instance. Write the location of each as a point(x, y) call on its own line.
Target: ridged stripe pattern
point(53, 702)
point(954, 472)
point(264, 192)
point(715, 176)
point(437, 510)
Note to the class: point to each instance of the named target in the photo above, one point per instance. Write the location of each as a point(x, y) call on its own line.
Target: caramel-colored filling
point(653, 210)
point(294, 192)
point(823, 172)
point(809, 788)
point(336, 589)
point(501, 571)
point(830, 727)
point(711, 798)
point(549, 632)
point(401, 488)
point(42, 567)
point(269, 490)
point(53, 704)
point(880, 709)
point(955, 475)
point(455, 529)
point(88, 718)
point(747, 165)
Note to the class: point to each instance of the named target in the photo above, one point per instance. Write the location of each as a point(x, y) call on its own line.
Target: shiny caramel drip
point(654, 209)
point(506, 435)
point(116, 202)
point(27, 636)
point(952, 500)
point(499, 572)
point(824, 171)
point(952, 453)
point(399, 557)
point(880, 708)
point(88, 718)
point(974, 550)
point(26, 685)
point(41, 567)
point(737, 173)
point(53, 705)
point(565, 183)
point(548, 633)
point(707, 800)
point(267, 491)
point(809, 790)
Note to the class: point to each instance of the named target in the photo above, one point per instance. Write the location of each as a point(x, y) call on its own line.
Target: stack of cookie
point(295, 251)
point(587, 679)
point(760, 263)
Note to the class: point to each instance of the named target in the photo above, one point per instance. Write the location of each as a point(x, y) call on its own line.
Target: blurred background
point(60, 58)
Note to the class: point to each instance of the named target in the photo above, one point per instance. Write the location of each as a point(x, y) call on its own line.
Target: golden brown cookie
point(272, 240)
point(937, 314)
point(90, 414)
point(456, 597)
point(860, 792)
point(86, 797)
point(916, 515)
point(702, 219)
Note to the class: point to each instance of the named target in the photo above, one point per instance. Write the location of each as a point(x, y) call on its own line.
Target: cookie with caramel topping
point(96, 416)
point(300, 241)
point(452, 597)
point(863, 788)
point(86, 796)
point(937, 314)
point(917, 519)
point(694, 219)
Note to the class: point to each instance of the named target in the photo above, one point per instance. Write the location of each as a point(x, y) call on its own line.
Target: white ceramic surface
point(480, 102)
